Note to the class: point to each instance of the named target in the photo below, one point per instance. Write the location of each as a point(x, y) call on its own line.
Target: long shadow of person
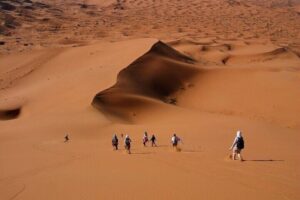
point(263, 160)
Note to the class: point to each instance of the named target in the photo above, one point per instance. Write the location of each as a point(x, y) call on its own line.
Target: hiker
point(153, 139)
point(67, 138)
point(175, 139)
point(237, 146)
point(127, 143)
point(145, 138)
point(115, 142)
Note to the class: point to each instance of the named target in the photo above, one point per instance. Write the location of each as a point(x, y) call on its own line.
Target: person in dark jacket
point(115, 142)
point(153, 140)
point(127, 143)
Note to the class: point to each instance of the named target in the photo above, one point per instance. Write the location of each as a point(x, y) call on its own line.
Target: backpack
point(175, 140)
point(127, 141)
point(240, 143)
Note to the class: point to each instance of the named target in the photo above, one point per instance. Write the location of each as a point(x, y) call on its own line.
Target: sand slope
point(209, 107)
point(202, 78)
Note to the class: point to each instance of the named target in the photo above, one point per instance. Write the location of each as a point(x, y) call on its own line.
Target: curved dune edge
point(11, 109)
point(10, 114)
point(151, 79)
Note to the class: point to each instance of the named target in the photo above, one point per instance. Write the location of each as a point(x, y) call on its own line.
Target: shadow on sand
point(264, 160)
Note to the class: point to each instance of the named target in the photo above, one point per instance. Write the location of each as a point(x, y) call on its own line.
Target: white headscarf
point(239, 134)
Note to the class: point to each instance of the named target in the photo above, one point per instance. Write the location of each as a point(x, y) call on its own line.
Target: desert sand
point(201, 69)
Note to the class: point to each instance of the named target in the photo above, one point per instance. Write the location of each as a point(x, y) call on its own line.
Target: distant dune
point(28, 25)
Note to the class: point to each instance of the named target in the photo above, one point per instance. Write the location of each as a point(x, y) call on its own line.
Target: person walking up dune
point(175, 140)
point(145, 138)
point(115, 142)
point(127, 143)
point(237, 146)
point(153, 140)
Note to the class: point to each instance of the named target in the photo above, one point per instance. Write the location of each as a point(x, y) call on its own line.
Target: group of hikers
point(236, 147)
point(127, 141)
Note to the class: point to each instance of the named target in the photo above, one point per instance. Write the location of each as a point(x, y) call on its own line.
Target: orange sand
point(203, 80)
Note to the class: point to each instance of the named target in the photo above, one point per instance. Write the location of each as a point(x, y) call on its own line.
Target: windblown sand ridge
point(157, 74)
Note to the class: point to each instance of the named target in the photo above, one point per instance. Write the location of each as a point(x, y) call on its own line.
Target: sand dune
point(169, 76)
point(158, 74)
point(201, 69)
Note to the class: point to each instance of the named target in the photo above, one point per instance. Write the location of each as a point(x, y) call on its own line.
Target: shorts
point(237, 150)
